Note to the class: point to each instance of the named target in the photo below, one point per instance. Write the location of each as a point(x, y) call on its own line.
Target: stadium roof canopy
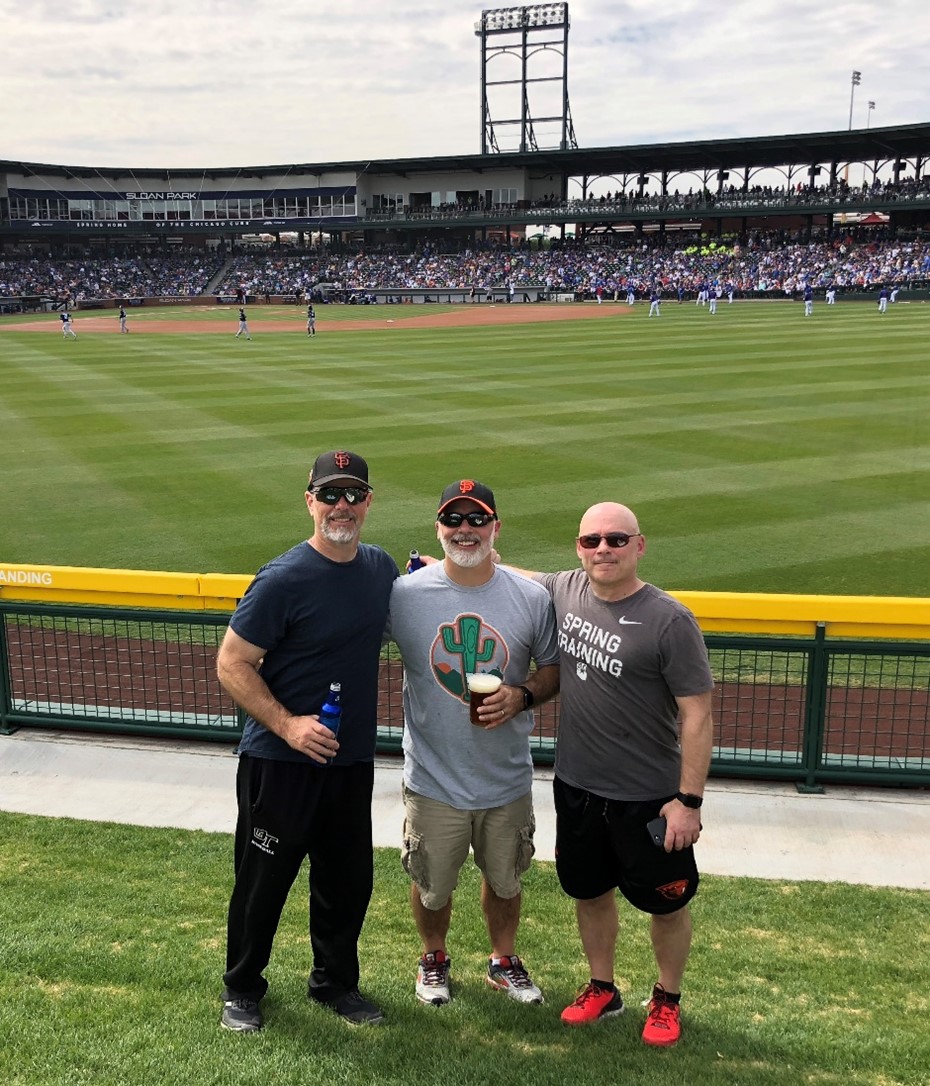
point(857, 145)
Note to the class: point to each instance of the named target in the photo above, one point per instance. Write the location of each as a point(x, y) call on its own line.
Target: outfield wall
point(462, 295)
point(897, 617)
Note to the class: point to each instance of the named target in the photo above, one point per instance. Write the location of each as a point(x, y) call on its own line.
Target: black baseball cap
point(474, 491)
point(338, 467)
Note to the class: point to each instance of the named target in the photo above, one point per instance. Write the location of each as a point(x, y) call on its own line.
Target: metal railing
point(805, 708)
point(634, 205)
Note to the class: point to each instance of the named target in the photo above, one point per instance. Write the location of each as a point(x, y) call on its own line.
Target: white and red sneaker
point(433, 978)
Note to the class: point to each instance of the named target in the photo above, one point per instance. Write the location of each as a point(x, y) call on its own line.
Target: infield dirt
point(465, 316)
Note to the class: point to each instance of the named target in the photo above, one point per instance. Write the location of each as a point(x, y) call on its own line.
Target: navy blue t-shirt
point(319, 621)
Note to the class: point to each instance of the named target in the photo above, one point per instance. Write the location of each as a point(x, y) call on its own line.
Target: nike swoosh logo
point(628, 622)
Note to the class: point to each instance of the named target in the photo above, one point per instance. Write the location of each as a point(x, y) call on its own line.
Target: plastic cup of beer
point(479, 688)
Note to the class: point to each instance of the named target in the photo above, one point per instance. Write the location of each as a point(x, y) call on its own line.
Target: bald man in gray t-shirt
point(634, 745)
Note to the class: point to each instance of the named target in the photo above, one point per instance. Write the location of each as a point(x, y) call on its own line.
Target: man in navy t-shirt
point(312, 616)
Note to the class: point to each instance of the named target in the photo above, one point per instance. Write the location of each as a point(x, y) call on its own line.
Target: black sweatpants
point(289, 810)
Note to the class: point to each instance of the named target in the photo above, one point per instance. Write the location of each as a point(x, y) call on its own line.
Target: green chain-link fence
point(795, 708)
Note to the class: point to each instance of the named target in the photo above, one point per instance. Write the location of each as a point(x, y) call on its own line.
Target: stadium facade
point(709, 186)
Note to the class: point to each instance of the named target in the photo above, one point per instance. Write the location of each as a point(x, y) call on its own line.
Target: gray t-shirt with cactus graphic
point(444, 631)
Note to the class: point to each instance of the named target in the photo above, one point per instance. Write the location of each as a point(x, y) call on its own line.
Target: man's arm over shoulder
point(531, 574)
point(547, 580)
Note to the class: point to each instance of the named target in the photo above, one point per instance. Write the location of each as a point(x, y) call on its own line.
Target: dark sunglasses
point(614, 539)
point(330, 495)
point(474, 520)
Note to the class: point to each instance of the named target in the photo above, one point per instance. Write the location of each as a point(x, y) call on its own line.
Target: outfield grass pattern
point(763, 452)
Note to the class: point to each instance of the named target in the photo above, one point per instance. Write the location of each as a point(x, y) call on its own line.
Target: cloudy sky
point(176, 83)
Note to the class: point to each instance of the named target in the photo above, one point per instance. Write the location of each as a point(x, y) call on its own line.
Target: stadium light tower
point(524, 33)
point(856, 80)
point(868, 118)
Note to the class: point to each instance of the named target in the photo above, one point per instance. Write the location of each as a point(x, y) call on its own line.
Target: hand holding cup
point(480, 687)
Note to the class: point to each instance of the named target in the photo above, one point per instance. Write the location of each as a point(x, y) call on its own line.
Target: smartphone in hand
point(656, 830)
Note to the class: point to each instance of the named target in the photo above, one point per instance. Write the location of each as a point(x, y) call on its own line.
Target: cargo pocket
point(413, 859)
point(525, 847)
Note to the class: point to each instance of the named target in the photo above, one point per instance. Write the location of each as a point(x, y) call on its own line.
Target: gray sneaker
point(511, 977)
point(241, 1015)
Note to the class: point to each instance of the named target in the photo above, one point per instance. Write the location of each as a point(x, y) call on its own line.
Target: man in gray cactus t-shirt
point(634, 744)
point(466, 785)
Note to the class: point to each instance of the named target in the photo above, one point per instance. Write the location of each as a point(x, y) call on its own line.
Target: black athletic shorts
point(602, 844)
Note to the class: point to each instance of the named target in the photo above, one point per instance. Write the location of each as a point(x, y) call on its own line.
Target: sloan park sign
point(161, 195)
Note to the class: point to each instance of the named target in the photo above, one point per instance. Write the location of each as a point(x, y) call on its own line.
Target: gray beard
point(339, 533)
point(467, 559)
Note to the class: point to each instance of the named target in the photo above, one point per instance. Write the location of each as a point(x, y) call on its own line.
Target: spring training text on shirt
point(592, 644)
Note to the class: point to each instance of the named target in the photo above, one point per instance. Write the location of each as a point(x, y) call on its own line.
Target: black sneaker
point(241, 1016)
point(355, 1009)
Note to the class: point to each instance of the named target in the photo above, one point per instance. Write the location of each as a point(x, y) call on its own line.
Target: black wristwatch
point(528, 700)
point(689, 800)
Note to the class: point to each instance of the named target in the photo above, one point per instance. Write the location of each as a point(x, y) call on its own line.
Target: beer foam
point(483, 684)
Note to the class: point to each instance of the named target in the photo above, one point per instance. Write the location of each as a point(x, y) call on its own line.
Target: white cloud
point(227, 82)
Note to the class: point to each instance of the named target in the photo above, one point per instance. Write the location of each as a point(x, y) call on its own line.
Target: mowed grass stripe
point(755, 424)
point(167, 478)
point(861, 474)
point(833, 536)
point(793, 429)
point(267, 384)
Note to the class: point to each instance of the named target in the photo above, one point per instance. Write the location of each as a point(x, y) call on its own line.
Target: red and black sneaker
point(593, 1003)
point(663, 1020)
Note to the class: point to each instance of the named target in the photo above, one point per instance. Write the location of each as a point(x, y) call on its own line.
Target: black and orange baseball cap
point(347, 468)
point(472, 490)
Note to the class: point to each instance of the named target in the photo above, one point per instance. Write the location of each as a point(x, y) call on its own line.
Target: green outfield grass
point(112, 940)
point(763, 451)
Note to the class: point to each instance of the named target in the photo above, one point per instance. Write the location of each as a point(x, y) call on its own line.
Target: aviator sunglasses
point(474, 520)
point(330, 495)
point(614, 539)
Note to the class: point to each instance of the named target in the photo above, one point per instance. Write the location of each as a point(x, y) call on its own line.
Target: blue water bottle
point(416, 562)
point(331, 713)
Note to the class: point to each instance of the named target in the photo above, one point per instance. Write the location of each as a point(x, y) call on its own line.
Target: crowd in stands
point(762, 263)
point(171, 275)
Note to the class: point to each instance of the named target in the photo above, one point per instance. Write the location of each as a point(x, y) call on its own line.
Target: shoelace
point(516, 974)
point(242, 1004)
point(662, 1014)
point(434, 972)
point(591, 992)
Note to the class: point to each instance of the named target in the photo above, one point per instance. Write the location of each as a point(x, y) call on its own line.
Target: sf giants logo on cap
point(342, 459)
point(466, 486)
